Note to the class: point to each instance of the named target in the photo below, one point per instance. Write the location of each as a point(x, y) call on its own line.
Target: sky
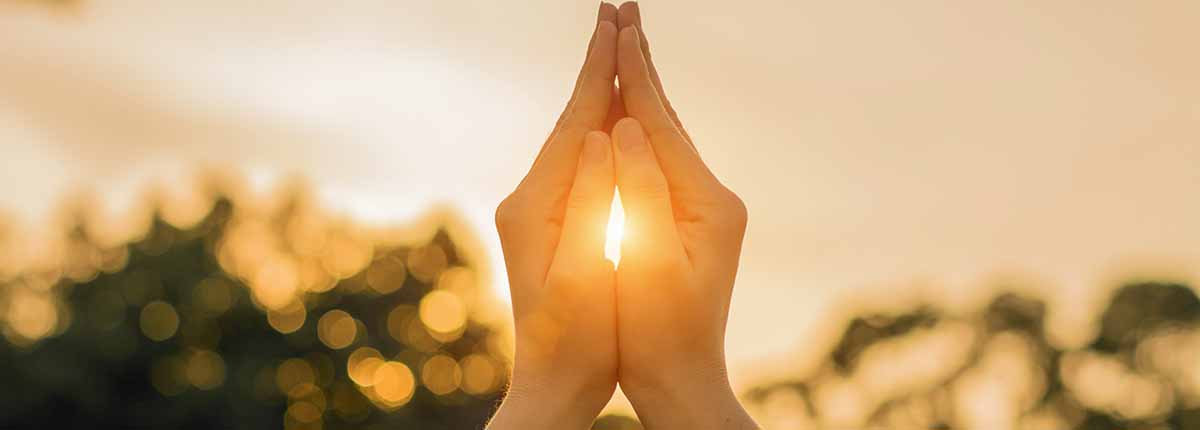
point(886, 151)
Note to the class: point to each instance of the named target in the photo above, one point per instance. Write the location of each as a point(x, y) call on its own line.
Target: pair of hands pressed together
point(656, 322)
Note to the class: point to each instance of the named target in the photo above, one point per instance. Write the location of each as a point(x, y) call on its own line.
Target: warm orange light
point(394, 384)
point(616, 230)
point(337, 329)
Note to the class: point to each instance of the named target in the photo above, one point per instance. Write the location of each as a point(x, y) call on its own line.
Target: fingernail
point(629, 135)
point(594, 150)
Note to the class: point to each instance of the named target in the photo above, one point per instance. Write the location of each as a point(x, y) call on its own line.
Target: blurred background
point(279, 213)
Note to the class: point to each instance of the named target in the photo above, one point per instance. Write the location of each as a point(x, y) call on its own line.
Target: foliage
point(228, 356)
point(998, 369)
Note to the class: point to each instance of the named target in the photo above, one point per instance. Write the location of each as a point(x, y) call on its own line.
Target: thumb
point(649, 219)
point(588, 204)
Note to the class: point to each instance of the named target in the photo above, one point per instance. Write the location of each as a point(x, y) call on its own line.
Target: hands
point(683, 236)
point(552, 232)
point(665, 308)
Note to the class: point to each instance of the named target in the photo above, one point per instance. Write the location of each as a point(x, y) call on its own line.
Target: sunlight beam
point(615, 231)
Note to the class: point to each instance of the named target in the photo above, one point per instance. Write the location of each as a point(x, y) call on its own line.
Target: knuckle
point(734, 207)
point(738, 206)
point(508, 211)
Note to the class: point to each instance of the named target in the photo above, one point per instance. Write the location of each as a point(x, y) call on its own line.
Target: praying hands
point(655, 323)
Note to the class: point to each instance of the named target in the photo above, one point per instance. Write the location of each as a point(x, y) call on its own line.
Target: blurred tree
point(1139, 309)
point(1123, 380)
point(868, 330)
point(168, 337)
point(277, 315)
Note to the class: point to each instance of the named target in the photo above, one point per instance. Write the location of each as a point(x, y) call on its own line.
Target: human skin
point(679, 257)
point(552, 234)
point(657, 322)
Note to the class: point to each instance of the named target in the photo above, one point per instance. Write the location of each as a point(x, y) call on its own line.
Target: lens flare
point(616, 230)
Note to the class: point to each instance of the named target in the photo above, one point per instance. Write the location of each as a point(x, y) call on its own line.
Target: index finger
point(555, 164)
point(630, 13)
point(680, 163)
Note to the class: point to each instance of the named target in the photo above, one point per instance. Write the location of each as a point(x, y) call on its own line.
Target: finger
point(645, 196)
point(595, 85)
point(630, 14)
point(680, 164)
point(582, 238)
point(555, 165)
point(607, 13)
point(616, 110)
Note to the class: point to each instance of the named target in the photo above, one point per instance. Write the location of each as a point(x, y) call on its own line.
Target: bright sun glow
point(615, 231)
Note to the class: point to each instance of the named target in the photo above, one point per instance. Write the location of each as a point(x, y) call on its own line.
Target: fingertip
point(596, 148)
point(628, 14)
point(629, 7)
point(627, 125)
point(608, 12)
point(629, 135)
point(596, 138)
point(595, 135)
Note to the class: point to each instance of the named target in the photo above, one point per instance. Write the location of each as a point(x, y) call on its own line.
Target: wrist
point(697, 397)
point(668, 376)
point(582, 390)
point(541, 399)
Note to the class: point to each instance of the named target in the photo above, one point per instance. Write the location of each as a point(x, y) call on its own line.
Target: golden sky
point(880, 146)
